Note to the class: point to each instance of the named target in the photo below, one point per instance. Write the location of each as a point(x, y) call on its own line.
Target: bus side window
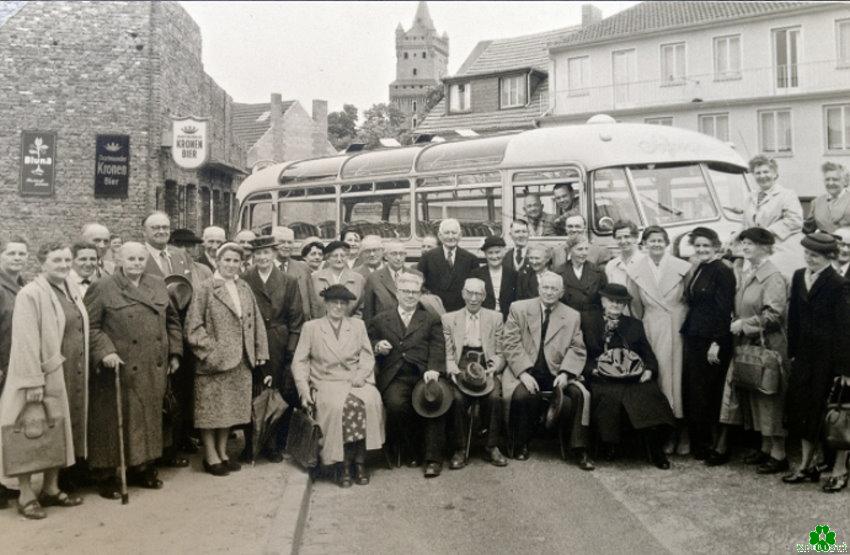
point(536, 205)
point(257, 216)
point(308, 217)
point(479, 210)
point(612, 200)
point(382, 210)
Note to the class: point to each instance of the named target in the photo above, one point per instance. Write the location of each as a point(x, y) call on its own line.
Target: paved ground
point(546, 506)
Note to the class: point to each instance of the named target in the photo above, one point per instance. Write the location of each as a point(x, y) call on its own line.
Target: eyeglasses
point(475, 293)
point(409, 291)
point(160, 227)
point(550, 288)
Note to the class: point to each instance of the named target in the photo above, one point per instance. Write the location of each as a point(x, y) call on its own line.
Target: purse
point(757, 368)
point(304, 439)
point(836, 423)
point(35, 442)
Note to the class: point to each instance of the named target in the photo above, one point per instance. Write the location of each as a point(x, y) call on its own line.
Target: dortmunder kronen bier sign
point(189, 146)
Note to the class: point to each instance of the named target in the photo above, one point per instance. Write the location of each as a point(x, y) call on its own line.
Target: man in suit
point(528, 277)
point(540, 223)
point(516, 257)
point(475, 332)
point(842, 263)
point(285, 238)
point(243, 239)
point(372, 253)
point(213, 237)
point(98, 235)
point(447, 267)
point(83, 266)
point(163, 259)
point(379, 293)
point(409, 347)
point(544, 348)
point(577, 225)
point(499, 281)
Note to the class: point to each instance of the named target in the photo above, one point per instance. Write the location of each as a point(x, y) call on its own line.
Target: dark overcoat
point(8, 290)
point(507, 289)
point(140, 325)
point(444, 281)
point(526, 284)
point(643, 403)
point(818, 345)
point(582, 294)
point(379, 293)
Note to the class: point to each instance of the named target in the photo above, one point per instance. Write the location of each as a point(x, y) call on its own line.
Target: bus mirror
point(605, 223)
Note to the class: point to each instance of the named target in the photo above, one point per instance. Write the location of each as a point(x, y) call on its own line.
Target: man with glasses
point(372, 253)
point(98, 235)
point(408, 344)
point(474, 333)
point(842, 263)
point(626, 235)
point(516, 258)
point(577, 225)
point(544, 348)
point(379, 293)
point(163, 259)
point(447, 267)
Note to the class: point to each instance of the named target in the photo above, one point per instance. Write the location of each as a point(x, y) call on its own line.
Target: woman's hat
point(432, 399)
point(757, 235)
point(821, 242)
point(334, 245)
point(616, 292)
point(493, 241)
point(309, 246)
point(337, 292)
point(474, 380)
point(184, 236)
point(179, 290)
point(708, 233)
point(263, 242)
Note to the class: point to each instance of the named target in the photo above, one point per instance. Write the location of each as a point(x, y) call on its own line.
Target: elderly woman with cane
point(48, 374)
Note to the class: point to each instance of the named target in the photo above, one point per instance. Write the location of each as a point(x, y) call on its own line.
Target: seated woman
point(623, 372)
point(334, 358)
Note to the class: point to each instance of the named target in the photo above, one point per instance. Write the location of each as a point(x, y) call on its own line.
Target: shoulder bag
point(757, 368)
point(836, 423)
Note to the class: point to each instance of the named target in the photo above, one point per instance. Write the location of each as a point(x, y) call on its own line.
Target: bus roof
point(593, 146)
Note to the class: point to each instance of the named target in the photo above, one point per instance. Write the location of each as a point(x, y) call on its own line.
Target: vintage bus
point(649, 174)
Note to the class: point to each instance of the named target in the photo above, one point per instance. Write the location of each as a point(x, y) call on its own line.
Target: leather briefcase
point(35, 442)
point(304, 439)
point(757, 368)
point(837, 420)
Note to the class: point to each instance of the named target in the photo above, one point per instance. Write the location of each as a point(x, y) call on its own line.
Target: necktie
point(451, 258)
point(545, 327)
point(761, 196)
point(405, 317)
point(518, 256)
point(166, 263)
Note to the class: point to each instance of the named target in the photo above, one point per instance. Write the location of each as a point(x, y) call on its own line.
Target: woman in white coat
point(656, 283)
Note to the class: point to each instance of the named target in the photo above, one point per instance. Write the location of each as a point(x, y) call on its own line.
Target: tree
point(382, 121)
point(342, 126)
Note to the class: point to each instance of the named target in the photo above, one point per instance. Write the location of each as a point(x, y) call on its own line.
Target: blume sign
point(189, 148)
point(112, 166)
point(38, 162)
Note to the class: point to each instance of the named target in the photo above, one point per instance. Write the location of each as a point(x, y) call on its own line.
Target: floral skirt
point(353, 419)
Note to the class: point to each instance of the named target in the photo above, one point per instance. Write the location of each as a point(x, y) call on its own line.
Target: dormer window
point(460, 97)
point(513, 92)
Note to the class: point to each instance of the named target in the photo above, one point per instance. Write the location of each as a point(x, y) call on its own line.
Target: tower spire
point(423, 16)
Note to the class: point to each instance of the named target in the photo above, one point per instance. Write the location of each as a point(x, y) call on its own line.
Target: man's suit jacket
point(454, 332)
point(181, 263)
point(583, 294)
point(444, 281)
point(507, 289)
point(509, 260)
point(301, 272)
point(379, 293)
point(421, 344)
point(526, 284)
point(205, 260)
point(365, 270)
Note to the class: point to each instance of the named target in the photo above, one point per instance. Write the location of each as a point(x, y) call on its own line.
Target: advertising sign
point(189, 146)
point(38, 162)
point(112, 166)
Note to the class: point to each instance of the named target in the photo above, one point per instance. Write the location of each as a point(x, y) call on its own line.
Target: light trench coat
point(781, 214)
point(330, 366)
point(660, 305)
point(38, 325)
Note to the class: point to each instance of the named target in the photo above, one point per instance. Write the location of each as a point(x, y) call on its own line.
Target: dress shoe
point(522, 453)
point(231, 466)
point(246, 456)
point(217, 469)
point(344, 475)
point(772, 466)
point(189, 446)
point(700, 453)
point(275, 456)
point(110, 488)
point(147, 479)
point(495, 457)
point(811, 474)
point(458, 460)
point(361, 475)
point(433, 469)
point(412, 462)
point(61, 499)
point(584, 461)
point(757, 458)
point(835, 484)
point(660, 460)
point(175, 462)
point(716, 459)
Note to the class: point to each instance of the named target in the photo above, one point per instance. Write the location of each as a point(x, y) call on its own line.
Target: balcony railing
point(810, 77)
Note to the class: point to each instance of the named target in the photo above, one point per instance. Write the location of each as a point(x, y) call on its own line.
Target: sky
point(344, 52)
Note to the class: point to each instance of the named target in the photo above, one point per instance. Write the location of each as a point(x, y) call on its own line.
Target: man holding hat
point(474, 362)
point(499, 280)
point(544, 348)
point(411, 359)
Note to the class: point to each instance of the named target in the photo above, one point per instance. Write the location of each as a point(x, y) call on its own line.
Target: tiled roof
point(249, 125)
point(8, 8)
point(499, 120)
point(492, 56)
point(657, 16)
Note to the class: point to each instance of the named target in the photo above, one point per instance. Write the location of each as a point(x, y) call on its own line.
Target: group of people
point(590, 348)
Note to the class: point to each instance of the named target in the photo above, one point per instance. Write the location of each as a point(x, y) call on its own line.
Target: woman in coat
point(778, 210)
point(832, 209)
point(49, 365)
point(336, 271)
point(582, 281)
point(637, 397)
point(818, 344)
point(334, 372)
point(707, 342)
point(761, 298)
point(135, 331)
point(657, 284)
point(225, 329)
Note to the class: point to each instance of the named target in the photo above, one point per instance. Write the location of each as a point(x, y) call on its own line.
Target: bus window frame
point(632, 193)
point(454, 187)
point(707, 183)
point(258, 197)
point(375, 192)
point(511, 186)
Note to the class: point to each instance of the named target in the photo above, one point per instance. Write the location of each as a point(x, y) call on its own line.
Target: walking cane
point(122, 468)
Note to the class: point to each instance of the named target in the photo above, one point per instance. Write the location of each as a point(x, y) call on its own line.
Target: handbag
point(757, 368)
point(35, 442)
point(619, 363)
point(836, 423)
point(304, 439)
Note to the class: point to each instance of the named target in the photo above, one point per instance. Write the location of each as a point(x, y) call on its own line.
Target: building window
point(414, 105)
point(673, 63)
point(414, 71)
point(459, 97)
point(786, 52)
point(513, 91)
point(664, 120)
point(727, 57)
point(424, 55)
point(715, 125)
point(578, 75)
point(838, 127)
point(625, 74)
point(842, 39)
point(775, 131)
point(405, 55)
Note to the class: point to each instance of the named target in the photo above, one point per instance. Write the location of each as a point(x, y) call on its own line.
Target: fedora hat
point(474, 380)
point(616, 292)
point(263, 242)
point(556, 405)
point(179, 290)
point(432, 399)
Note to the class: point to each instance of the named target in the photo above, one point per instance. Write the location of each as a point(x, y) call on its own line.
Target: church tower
point(422, 58)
